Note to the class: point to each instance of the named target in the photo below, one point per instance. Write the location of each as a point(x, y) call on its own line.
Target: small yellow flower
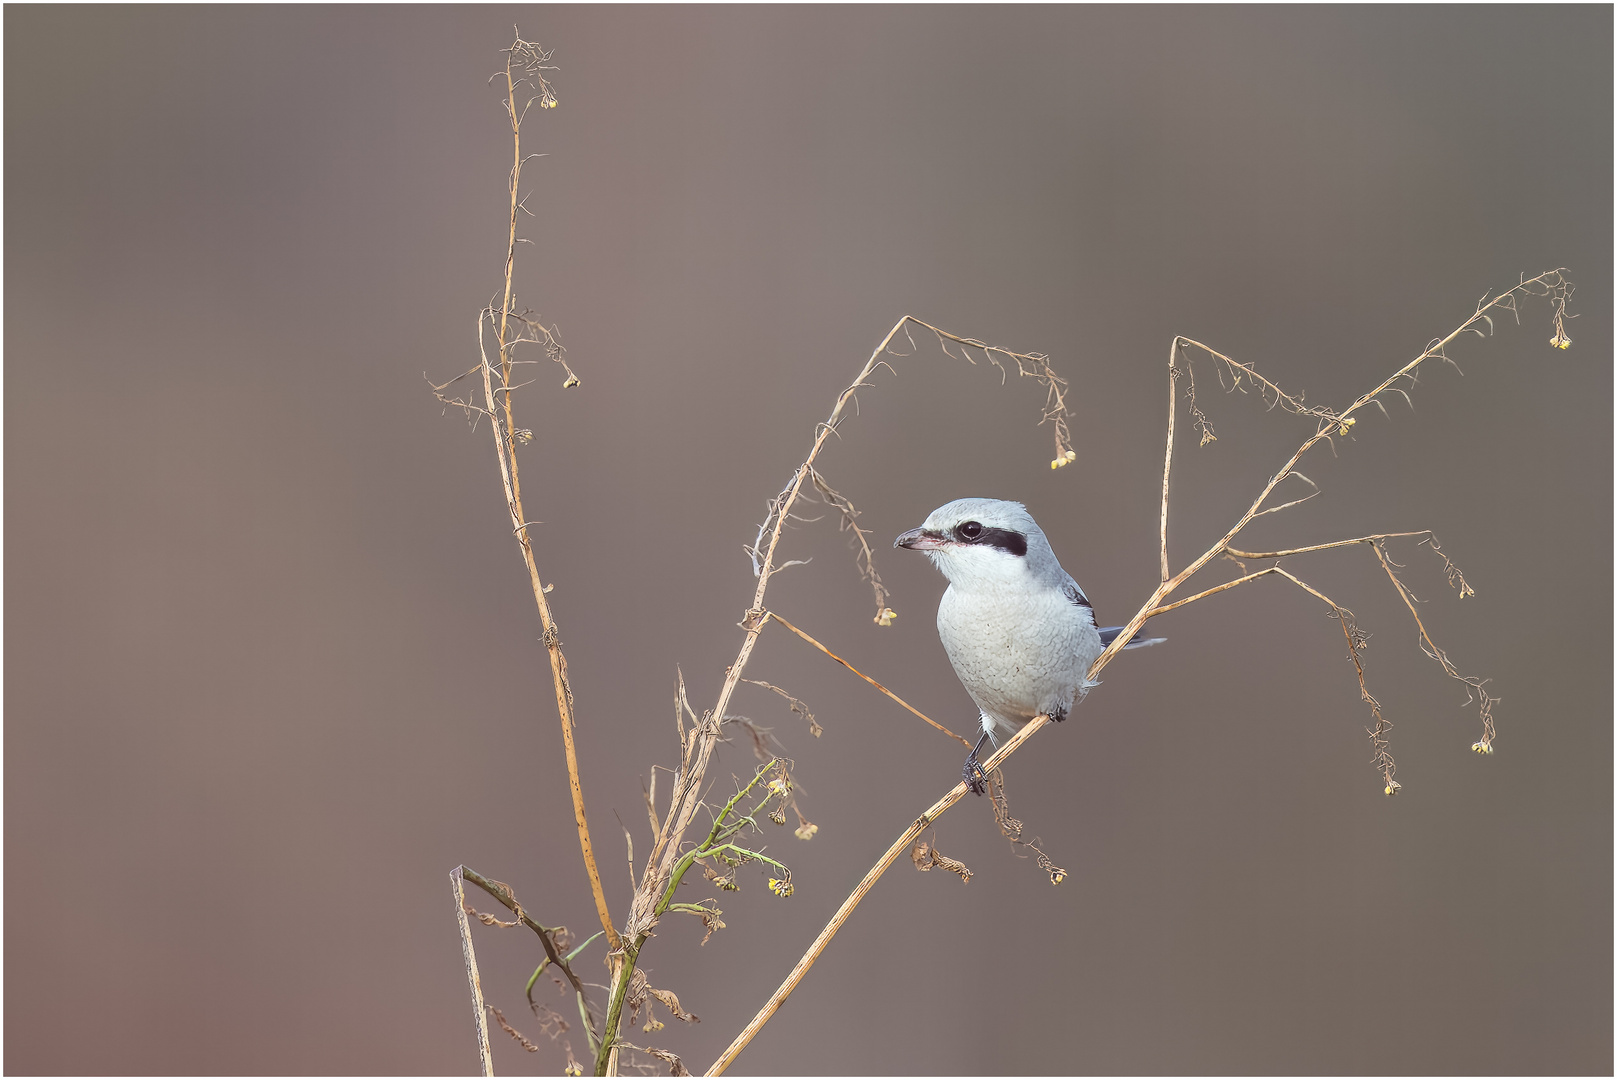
point(1560, 340)
point(885, 616)
point(780, 785)
point(1482, 747)
point(572, 1069)
point(779, 887)
point(1347, 422)
point(572, 381)
point(1393, 787)
point(807, 830)
point(1057, 877)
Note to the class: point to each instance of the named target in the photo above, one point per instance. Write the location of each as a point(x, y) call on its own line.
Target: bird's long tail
point(1108, 634)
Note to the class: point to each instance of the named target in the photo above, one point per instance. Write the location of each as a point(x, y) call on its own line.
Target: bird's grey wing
point(1070, 589)
point(1108, 634)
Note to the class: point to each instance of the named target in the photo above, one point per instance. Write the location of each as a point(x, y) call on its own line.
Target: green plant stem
point(714, 844)
point(583, 1006)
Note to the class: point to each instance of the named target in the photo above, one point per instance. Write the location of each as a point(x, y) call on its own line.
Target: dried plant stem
point(1330, 423)
point(502, 892)
point(900, 846)
point(1167, 458)
point(776, 617)
point(1552, 283)
point(505, 452)
point(1320, 547)
point(484, 1054)
point(1373, 540)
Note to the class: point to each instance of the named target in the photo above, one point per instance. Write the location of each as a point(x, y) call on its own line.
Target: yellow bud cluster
point(1065, 459)
point(1482, 747)
point(1393, 787)
point(885, 616)
point(1560, 340)
point(779, 887)
point(807, 830)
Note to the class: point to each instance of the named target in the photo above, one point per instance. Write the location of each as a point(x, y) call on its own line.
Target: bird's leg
point(1058, 713)
point(973, 773)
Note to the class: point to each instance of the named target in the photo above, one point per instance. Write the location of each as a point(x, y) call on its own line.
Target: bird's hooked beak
point(921, 540)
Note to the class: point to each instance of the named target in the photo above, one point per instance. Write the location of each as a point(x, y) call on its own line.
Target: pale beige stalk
point(485, 1056)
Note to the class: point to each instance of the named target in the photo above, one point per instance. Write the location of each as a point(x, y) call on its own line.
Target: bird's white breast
point(1018, 651)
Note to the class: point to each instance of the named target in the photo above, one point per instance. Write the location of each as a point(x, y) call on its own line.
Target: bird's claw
point(973, 774)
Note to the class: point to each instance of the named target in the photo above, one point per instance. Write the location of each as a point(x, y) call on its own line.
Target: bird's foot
point(972, 773)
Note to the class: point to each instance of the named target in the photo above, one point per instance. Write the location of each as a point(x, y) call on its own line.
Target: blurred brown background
point(272, 669)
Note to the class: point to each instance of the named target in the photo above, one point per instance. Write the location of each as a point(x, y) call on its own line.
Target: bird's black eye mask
point(1006, 540)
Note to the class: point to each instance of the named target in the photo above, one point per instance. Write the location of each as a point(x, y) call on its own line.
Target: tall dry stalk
point(525, 66)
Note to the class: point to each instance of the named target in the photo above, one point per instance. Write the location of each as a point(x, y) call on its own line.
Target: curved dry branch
point(776, 617)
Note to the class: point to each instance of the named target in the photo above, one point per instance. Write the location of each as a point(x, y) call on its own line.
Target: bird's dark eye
point(968, 531)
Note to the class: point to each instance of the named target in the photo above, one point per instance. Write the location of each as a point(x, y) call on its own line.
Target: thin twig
point(1167, 456)
point(776, 616)
point(1477, 686)
point(503, 893)
point(1011, 827)
point(484, 1054)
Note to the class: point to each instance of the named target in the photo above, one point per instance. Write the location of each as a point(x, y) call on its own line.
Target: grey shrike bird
point(1019, 631)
